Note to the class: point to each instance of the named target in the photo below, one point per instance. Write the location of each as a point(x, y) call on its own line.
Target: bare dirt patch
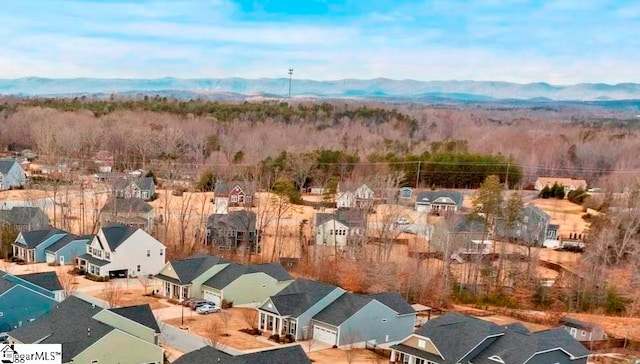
point(358, 356)
point(564, 213)
point(616, 326)
point(199, 324)
point(134, 297)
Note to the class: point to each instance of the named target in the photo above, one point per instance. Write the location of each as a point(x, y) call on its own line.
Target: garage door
point(210, 296)
point(323, 335)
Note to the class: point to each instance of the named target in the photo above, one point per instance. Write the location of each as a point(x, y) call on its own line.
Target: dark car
point(186, 302)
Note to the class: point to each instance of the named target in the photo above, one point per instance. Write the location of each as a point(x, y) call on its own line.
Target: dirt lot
point(505, 320)
point(200, 324)
point(616, 326)
point(357, 356)
point(134, 297)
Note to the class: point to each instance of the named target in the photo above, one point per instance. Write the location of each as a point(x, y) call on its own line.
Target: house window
point(420, 361)
point(331, 232)
point(234, 198)
point(107, 255)
point(145, 194)
point(526, 219)
point(148, 253)
point(90, 250)
point(138, 267)
point(292, 328)
point(422, 344)
point(161, 252)
point(584, 333)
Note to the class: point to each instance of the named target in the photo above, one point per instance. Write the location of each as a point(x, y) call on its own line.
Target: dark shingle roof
point(224, 188)
point(141, 314)
point(65, 241)
point(353, 218)
point(418, 352)
point(299, 296)
point(5, 285)
point(116, 234)
point(239, 220)
point(192, 267)
point(288, 354)
point(234, 271)
point(441, 197)
point(528, 344)
point(71, 324)
point(46, 280)
point(445, 333)
point(145, 183)
point(35, 237)
point(6, 164)
point(93, 260)
point(274, 270)
point(342, 308)
point(229, 274)
point(123, 205)
point(22, 215)
point(394, 301)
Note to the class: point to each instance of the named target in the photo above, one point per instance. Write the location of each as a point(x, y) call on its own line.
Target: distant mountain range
point(233, 88)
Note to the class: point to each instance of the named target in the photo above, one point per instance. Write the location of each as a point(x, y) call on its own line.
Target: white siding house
point(332, 232)
point(120, 250)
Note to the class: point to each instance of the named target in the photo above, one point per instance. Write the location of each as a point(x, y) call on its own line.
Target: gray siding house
point(233, 230)
point(291, 310)
point(11, 174)
point(455, 338)
point(24, 218)
point(439, 201)
point(532, 228)
point(355, 319)
point(582, 330)
point(143, 188)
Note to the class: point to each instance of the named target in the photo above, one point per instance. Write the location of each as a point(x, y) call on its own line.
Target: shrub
point(275, 337)
point(95, 278)
point(227, 304)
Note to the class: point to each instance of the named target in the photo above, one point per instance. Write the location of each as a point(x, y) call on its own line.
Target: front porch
point(28, 255)
point(92, 265)
point(175, 291)
point(400, 357)
point(276, 325)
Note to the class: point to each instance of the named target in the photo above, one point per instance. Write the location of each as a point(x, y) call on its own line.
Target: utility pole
point(506, 180)
point(290, 74)
point(418, 175)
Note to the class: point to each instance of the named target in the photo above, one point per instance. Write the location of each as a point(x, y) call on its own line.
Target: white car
point(4, 338)
point(402, 221)
point(207, 309)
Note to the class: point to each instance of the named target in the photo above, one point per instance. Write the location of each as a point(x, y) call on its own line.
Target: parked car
point(4, 338)
point(197, 303)
point(402, 221)
point(187, 302)
point(207, 309)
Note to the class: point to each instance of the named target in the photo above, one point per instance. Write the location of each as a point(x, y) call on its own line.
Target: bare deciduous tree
point(112, 294)
point(68, 281)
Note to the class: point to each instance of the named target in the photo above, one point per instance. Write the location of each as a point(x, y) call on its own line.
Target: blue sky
point(560, 41)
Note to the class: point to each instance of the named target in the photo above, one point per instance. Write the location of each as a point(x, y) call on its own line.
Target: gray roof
point(455, 335)
point(431, 196)
point(66, 240)
point(223, 188)
point(341, 309)
point(36, 237)
point(299, 296)
point(239, 220)
point(141, 314)
point(145, 183)
point(132, 204)
point(190, 268)
point(234, 271)
point(71, 324)
point(93, 260)
point(46, 280)
point(528, 344)
point(5, 285)
point(395, 302)
point(538, 211)
point(418, 353)
point(22, 215)
point(116, 234)
point(353, 218)
point(208, 354)
point(6, 165)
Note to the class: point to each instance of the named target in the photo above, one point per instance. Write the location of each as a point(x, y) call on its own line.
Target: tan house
point(569, 184)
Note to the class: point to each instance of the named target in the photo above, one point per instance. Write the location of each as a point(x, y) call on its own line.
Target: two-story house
point(354, 196)
point(568, 184)
point(92, 334)
point(455, 338)
point(132, 211)
point(342, 227)
point(24, 218)
point(11, 174)
point(120, 251)
point(441, 201)
point(532, 227)
point(233, 194)
point(143, 188)
point(233, 230)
